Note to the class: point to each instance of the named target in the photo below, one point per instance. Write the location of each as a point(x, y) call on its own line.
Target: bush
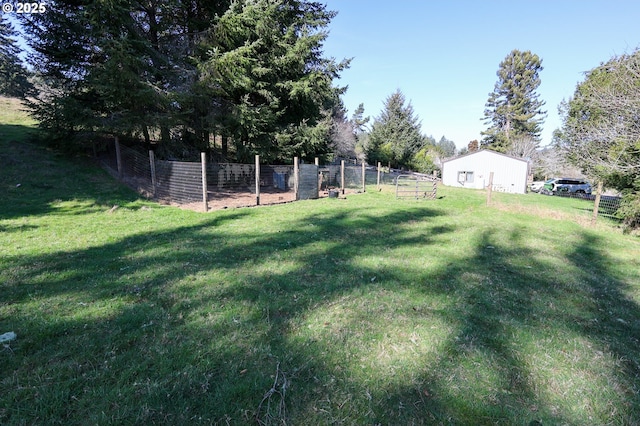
point(629, 210)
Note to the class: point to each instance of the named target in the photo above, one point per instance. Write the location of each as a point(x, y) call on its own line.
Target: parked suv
point(566, 185)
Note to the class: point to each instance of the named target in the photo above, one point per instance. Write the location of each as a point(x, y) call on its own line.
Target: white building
point(473, 170)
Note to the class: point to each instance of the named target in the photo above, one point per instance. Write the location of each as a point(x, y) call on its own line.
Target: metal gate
point(416, 186)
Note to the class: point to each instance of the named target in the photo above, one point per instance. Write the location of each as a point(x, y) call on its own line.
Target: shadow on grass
point(35, 181)
point(213, 324)
point(13, 133)
point(531, 346)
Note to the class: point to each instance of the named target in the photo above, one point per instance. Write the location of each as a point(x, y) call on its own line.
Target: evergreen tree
point(113, 67)
point(359, 121)
point(265, 63)
point(395, 135)
point(446, 147)
point(514, 109)
point(251, 71)
point(13, 75)
point(359, 125)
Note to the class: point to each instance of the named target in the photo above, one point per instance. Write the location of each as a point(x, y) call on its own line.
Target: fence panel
point(136, 169)
point(231, 177)
point(179, 182)
point(353, 177)
point(329, 177)
point(277, 184)
point(371, 176)
point(608, 206)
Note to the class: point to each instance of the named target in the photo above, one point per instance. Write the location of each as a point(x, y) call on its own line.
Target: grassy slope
point(15, 124)
point(365, 310)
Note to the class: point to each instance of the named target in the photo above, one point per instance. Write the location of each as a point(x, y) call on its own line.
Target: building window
point(465, 177)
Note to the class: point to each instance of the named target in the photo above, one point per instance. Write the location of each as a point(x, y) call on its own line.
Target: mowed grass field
point(365, 310)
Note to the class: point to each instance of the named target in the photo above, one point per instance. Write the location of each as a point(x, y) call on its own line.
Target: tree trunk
point(145, 132)
point(225, 144)
point(165, 135)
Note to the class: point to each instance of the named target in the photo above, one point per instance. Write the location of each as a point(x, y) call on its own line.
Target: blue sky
point(443, 55)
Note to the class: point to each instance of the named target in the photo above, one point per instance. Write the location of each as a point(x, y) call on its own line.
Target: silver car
point(566, 185)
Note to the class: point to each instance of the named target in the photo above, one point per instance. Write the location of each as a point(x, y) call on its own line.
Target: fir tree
point(13, 75)
point(265, 64)
point(395, 135)
point(176, 72)
point(513, 109)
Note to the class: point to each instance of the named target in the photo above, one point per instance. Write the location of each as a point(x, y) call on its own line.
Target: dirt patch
point(220, 200)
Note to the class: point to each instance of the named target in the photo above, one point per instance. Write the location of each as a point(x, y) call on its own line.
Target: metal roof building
point(473, 170)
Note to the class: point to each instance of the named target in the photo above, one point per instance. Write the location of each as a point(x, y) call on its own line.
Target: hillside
point(33, 176)
point(15, 122)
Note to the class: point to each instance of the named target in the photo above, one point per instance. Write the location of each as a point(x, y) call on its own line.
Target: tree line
point(237, 78)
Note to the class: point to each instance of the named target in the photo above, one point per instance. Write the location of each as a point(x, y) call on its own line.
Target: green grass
point(548, 208)
point(15, 124)
point(367, 310)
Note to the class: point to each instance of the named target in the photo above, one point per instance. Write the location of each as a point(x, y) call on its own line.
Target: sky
point(443, 55)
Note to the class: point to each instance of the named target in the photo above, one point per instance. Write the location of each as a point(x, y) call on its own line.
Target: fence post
point(342, 176)
point(257, 180)
point(364, 182)
point(118, 157)
point(296, 175)
point(489, 189)
point(205, 198)
point(596, 204)
point(317, 163)
point(379, 171)
point(152, 166)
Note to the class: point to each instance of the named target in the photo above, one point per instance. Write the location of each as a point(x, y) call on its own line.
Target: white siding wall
point(509, 174)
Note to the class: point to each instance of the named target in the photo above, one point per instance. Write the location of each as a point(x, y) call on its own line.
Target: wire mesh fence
point(603, 205)
point(356, 177)
point(210, 185)
point(182, 182)
point(177, 181)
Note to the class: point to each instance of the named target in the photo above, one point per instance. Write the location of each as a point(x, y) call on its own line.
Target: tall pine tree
point(514, 109)
point(264, 62)
point(177, 71)
point(112, 67)
point(395, 135)
point(13, 75)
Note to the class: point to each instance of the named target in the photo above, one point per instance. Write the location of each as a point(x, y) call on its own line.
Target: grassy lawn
point(367, 310)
